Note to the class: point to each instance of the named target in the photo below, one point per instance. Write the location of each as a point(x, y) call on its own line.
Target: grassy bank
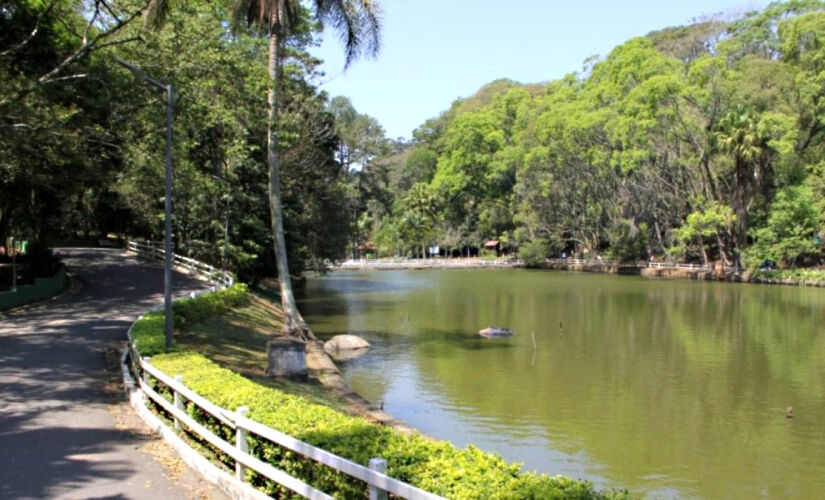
point(234, 336)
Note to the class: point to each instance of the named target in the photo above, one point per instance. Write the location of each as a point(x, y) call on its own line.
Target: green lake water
point(667, 388)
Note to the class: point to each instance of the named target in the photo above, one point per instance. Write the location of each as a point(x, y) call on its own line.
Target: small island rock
point(345, 343)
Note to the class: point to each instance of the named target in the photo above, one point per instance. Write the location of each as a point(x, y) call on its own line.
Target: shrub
point(435, 466)
point(628, 242)
point(534, 253)
point(148, 332)
point(799, 275)
point(189, 311)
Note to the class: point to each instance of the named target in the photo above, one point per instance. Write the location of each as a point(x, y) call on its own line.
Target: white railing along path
point(208, 272)
point(434, 263)
point(139, 369)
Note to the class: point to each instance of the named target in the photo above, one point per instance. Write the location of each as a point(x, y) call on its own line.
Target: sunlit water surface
point(667, 388)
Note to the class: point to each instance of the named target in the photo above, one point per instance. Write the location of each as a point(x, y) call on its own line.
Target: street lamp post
point(167, 261)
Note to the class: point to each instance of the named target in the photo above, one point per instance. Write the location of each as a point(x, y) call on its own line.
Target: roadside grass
point(237, 339)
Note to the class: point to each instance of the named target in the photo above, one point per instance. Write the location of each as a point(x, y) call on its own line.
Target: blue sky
point(435, 51)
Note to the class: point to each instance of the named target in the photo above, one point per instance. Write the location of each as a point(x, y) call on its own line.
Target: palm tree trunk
point(294, 326)
point(741, 196)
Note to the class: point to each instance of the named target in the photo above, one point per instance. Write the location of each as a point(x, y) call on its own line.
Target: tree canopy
point(701, 142)
point(694, 142)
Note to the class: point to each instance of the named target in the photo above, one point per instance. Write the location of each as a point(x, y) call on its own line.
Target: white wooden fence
point(426, 263)
point(653, 265)
point(379, 483)
point(585, 262)
point(675, 265)
point(137, 371)
point(210, 273)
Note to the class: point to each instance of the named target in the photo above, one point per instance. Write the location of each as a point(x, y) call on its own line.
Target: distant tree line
point(702, 142)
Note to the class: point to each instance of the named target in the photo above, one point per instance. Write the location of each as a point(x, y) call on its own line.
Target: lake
point(667, 388)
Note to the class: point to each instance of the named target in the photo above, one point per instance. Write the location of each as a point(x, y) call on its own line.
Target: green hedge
point(438, 467)
point(147, 332)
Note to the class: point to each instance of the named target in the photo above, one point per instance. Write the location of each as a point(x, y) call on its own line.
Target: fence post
point(240, 442)
point(378, 465)
point(178, 403)
point(145, 374)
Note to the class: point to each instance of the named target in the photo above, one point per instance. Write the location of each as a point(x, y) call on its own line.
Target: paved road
point(64, 432)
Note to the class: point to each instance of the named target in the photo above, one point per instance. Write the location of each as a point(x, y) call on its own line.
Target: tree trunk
point(294, 324)
point(741, 196)
point(658, 232)
point(704, 252)
point(723, 251)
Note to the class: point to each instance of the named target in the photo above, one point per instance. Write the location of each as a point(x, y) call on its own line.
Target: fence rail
point(652, 265)
point(210, 273)
point(434, 263)
point(678, 265)
point(588, 262)
point(137, 370)
point(373, 476)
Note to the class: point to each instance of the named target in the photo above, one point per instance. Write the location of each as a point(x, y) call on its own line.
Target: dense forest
point(82, 141)
point(701, 142)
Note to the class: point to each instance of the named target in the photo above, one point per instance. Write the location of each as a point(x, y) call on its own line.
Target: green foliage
point(434, 466)
point(148, 332)
point(671, 131)
point(700, 226)
point(724, 113)
point(82, 154)
point(534, 253)
point(57, 153)
point(189, 311)
point(789, 233)
point(799, 276)
point(628, 242)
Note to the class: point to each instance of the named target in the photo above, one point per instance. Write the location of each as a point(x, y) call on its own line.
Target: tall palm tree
point(741, 136)
point(358, 22)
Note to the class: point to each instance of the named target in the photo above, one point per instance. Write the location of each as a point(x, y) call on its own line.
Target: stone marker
point(287, 358)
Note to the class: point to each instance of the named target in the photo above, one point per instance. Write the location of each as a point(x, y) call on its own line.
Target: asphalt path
point(65, 431)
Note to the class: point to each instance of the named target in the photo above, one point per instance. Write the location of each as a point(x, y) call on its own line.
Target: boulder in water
point(344, 347)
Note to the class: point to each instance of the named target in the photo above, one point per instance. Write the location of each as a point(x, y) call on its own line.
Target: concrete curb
point(196, 462)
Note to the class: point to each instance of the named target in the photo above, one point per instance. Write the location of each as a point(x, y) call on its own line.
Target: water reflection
point(669, 388)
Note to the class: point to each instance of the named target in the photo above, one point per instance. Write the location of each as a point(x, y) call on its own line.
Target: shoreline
point(322, 368)
point(685, 272)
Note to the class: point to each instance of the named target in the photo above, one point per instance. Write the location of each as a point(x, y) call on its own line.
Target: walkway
point(64, 429)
